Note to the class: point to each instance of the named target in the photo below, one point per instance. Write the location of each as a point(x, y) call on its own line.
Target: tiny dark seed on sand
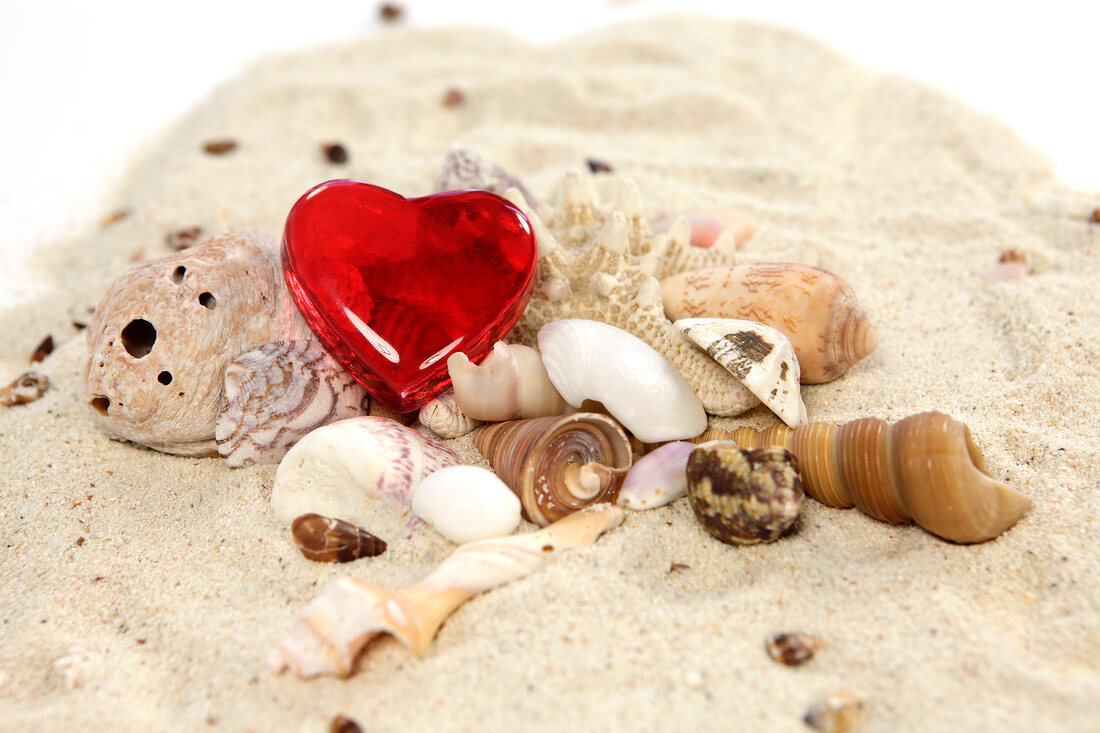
point(219, 147)
point(453, 97)
point(598, 166)
point(44, 349)
point(335, 152)
point(183, 238)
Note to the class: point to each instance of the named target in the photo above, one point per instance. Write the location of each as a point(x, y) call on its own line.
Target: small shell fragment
point(27, 387)
point(835, 713)
point(792, 649)
point(325, 539)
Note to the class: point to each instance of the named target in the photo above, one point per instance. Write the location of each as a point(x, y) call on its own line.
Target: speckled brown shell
point(814, 308)
point(743, 497)
point(165, 331)
point(557, 465)
point(325, 539)
point(27, 387)
point(925, 468)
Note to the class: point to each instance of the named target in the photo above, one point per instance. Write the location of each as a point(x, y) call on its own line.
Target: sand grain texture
point(145, 590)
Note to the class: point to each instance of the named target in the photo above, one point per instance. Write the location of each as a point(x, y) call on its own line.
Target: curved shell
point(166, 330)
point(588, 360)
point(510, 383)
point(277, 393)
point(324, 539)
point(743, 496)
point(557, 465)
point(658, 478)
point(445, 418)
point(925, 468)
point(362, 470)
point(814, 308)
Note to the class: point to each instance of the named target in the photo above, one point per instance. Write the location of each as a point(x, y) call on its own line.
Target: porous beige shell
point(599, 261)
point(445, 418)
point(166, 330)
point(814, 308)
point(278, 392)
point(508, 384)
point(925, 468)
point(557, 465)
point(351, 611)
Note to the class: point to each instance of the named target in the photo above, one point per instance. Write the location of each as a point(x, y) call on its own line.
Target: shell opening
point(208, 301)
point(138, 337)
point(165, 378)
point(178, 273)
point(101, 404)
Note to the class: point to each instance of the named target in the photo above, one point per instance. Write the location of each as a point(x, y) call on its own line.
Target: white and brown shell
point(814, 308)
point(278, 392)
point(557, 465)
point(166, 330)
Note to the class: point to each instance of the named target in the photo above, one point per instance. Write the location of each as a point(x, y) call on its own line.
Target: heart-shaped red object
point(392, 286)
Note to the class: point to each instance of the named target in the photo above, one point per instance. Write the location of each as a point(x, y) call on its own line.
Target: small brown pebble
point(219, 147)
point(335, 152)
point(678, 567)
point(391, 12)
point(343, 724)
point(114, 217)
point(835, 714)
point(79, 541)
point(324, 539)
point(1095, 219)
point(453, 97)
point(183, 238)
point(27, 387)
point(596, 165)
point(43, 350)
point(792, 649)
point(141, 642)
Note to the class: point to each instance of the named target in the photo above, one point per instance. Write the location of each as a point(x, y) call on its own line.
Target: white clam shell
point(658, 478)
point(760, 356)
point(466, 503)
point(589, 360)
point(362, 470)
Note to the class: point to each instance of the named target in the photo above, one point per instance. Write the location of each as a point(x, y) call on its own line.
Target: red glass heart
point(392, 286)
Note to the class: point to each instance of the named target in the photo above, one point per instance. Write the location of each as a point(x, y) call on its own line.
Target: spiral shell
point(925, 468)
point(325, 539)
point(814, 308)
point(557, 465)
point(743, 497)
point(445, 418)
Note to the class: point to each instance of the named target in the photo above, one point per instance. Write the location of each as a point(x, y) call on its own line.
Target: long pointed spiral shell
point(350, 612)
point(557, 465)
point(925, 468)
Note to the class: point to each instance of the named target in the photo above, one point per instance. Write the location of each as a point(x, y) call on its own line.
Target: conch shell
point(510, 383)
point(925, 468)
point(814, 308)
point(166, 330)
point(557, 465)
point(351, 611)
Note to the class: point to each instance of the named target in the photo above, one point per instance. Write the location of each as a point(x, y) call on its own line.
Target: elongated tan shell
point(925, 468)
point(557, 465)
point(510, 383)
point(814, 308)
point(325, 539)
point(350, 612)
point(277, 393)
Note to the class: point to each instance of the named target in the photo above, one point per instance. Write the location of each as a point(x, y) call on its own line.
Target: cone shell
point(925, 469)
point(557, 465)
point(814, 308)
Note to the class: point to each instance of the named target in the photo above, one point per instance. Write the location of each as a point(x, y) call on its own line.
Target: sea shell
point(510, 383)
point(760, 356)
point(27, 387)
point(599, 261)
point(165, 332)
point(659, 478)
point(350, 612)
point(792, 649)
point(362, 470)
point(463, 168)
point(925, 468)
point(709, 229)
point(466, 503)
point(445, 418)
point(743, 497)
point(557, 465)
point(325, 539)
point(378, 409)
point(835, 713)
point(814, 308)
point(589, 360)
point(278, 392)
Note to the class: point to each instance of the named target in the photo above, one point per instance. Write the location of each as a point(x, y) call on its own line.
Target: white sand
point(145, 590)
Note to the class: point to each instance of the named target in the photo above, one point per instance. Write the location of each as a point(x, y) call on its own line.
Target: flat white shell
point(760, 356)
point(590, 360)
point(466, 503)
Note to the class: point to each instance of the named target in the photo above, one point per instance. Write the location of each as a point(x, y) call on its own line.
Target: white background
point(83, 83)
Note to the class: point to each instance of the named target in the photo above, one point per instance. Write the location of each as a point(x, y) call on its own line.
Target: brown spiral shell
point(557, 465)
point(743, 497)
point(925, 468)
point(324, 539)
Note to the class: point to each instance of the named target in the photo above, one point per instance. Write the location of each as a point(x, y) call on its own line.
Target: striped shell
point(557, 465)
